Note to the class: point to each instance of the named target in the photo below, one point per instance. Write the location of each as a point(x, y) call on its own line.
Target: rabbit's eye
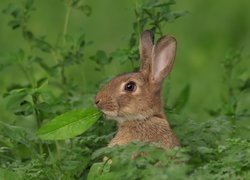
point(130, 86)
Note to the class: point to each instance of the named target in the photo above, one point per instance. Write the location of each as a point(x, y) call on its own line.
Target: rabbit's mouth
point(113, 115)
point(109, 114)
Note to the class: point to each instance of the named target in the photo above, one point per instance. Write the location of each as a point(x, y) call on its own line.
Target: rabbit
point(135, 100)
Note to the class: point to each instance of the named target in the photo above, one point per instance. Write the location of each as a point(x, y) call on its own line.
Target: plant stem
point(160, 31)
point(36, 111)
point(64, 79)
point(137, 18)
point(34, 97)
point(26, 74)
point(38, 119)
point(65, 30)
point(35, 101)
point(58, 154)
point(132, 63)
point(66, 22)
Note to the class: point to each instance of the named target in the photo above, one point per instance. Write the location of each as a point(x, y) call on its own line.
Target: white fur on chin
point(113, 115)
point(138, 117)
point(126, 118)
point(109, 113)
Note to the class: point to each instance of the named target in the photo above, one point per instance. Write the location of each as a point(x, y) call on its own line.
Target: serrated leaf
point(69, 124)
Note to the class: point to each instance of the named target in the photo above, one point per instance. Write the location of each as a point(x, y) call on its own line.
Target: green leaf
point(25, 109)
point(14, 24)
point(19, 139)
point(14, 98)
point(9, 9)
point(81, 40)
point(42, 82)
point(49, 70)
point(95, 170)
point(43, 45)
point(8, 175)
point(28, 35)
point(101, 58)
point(69, 124)
point(246, 85)
point(29, 4)
point(85, 9)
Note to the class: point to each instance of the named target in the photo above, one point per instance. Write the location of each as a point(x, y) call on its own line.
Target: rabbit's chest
point(149, 132)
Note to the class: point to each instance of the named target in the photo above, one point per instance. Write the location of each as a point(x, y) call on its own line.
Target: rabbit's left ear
point(146, 46)
point(163, 57)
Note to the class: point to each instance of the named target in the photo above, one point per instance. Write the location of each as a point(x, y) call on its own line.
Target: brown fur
point(140, 114)
point(152, 130)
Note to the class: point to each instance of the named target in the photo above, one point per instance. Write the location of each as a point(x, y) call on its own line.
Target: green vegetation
point(55, 56)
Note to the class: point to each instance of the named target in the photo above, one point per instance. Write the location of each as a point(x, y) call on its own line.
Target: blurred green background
point(204, 36)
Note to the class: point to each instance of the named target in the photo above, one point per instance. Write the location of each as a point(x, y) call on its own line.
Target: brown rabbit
point(134, 100)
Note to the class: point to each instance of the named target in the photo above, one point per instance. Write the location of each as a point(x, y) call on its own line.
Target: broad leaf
point(69, 124)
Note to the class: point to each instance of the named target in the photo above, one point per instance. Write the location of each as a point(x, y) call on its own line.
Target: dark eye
point(130, 86)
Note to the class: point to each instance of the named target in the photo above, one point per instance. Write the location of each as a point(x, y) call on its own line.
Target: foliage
point(71, 144)
point(139, 161)
point(73, 122)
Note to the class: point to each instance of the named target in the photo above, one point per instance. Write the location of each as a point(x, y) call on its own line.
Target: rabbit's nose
point(97, 101)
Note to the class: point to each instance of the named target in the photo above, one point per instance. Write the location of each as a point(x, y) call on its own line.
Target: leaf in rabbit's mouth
point(69, 124)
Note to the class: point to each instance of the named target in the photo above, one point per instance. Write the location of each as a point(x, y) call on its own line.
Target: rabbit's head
point(137, 95)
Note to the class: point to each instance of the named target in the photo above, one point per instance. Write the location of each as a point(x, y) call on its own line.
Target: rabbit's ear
point(163, 56)
point(146, 46)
